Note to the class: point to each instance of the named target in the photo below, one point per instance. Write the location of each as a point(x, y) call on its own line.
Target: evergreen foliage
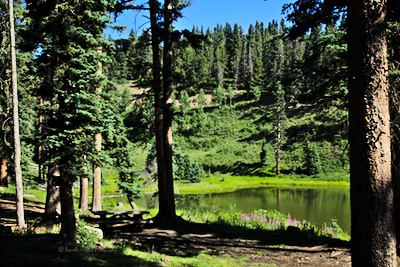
point(202, 98)
point(185, 102)
point(257, 93)
point(264, 151)
point(219, 94)
point(184, 167)
point(312, 164)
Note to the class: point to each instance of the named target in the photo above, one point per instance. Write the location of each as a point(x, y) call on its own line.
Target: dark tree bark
point(373, 234)
point(395, 146)
point(163, 111)
point(52, 207)
point(154, 6)
point(168, 201)
point(68, 221)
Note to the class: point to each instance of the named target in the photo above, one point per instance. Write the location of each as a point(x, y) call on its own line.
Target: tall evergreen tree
point(236, 54)
point(70, 37)
point(279, 119)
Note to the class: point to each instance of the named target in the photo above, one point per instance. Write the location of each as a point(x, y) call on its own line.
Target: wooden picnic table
point(124, 217)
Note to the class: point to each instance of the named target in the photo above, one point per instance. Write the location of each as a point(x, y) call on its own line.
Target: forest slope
point(228, 138)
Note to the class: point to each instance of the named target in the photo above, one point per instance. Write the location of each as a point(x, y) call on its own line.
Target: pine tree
point(236, 58)
point(264, 151)
point(279, 121)
point(219, 94)
point(68, 66)
point(312, 163)
point(257, 93)
point(231, 94)
point(185, 102)
point(202, 98)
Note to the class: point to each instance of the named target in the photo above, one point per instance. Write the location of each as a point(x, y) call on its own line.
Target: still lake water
point(317, 205)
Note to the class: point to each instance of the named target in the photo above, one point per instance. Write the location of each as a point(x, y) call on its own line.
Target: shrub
point(263, 153)
point(219, 94)
point(87, 238)
point(257, 93)
point(312, 163)
point(202, 98)
point(185, 102)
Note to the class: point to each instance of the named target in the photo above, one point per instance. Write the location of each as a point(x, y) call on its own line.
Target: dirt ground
point(191, 239)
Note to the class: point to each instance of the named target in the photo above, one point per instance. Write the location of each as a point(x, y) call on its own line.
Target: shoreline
point(228, 183)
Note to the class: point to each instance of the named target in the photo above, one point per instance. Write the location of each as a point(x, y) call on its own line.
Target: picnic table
point(110, 218)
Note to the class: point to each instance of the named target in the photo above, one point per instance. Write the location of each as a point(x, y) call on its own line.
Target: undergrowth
point(266, 220)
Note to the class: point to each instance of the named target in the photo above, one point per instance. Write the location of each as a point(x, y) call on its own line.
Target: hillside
point(229, 138)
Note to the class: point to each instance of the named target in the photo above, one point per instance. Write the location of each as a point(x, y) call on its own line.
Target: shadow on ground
point(45, 250)
point(190, 239)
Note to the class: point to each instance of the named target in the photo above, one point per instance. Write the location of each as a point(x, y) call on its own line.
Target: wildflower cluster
point(264, 220)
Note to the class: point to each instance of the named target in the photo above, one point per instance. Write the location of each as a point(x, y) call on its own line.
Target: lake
point(316, 205)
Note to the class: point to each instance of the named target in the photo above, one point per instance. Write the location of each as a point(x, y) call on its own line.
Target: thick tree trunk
point(68, 221)
point(17, 145)
point(373, 234)
point(52, 208)
point(395, 146)
point(167, 200)
point(158, 103)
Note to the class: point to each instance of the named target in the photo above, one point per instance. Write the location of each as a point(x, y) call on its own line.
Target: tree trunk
point(167, 200)
point(97, 179)
point(68, 221)
point(4, 176)
point(40, 173)
point(17, 146)
point(278, 150)
point(84, 194)
point(158, 104)
point(395, 146)
point(373, 234)
point(52, 208)
point(84, 191)
point(97, 169)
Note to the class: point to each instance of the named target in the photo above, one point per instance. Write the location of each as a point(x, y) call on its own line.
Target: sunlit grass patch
point(201, 260)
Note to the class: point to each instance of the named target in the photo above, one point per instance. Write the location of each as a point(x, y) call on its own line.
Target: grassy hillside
point(227, 139)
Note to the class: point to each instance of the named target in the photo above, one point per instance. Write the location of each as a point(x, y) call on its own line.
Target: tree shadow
point(45, 250)
point(191, 239)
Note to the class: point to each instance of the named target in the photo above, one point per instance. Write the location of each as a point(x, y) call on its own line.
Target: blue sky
point(209, 13)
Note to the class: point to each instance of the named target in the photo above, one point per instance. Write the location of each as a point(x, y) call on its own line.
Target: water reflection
point(317, 205)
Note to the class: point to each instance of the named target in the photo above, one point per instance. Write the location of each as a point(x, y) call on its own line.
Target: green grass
point(234, 136)
point(201, 260)
point(228, 183)
point(266, 220)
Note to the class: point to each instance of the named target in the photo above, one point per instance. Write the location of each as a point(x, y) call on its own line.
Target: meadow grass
point(268, 220)
point(218, 183)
